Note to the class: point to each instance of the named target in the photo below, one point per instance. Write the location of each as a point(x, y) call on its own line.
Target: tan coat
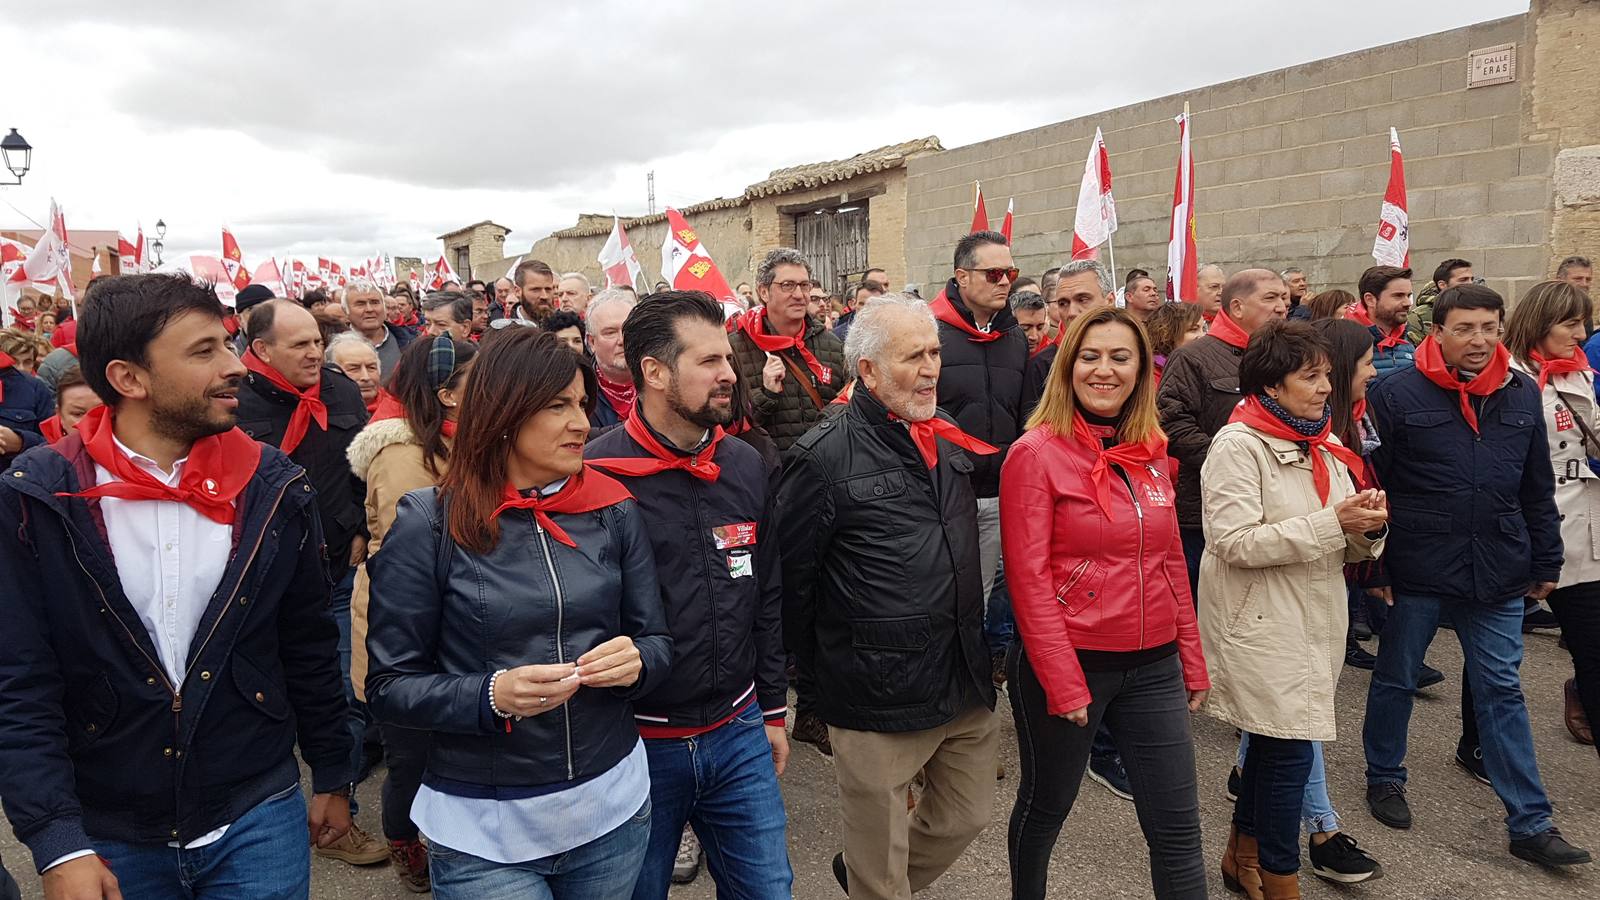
point(388, 458)
point(1273, 603)
point(1569, 399)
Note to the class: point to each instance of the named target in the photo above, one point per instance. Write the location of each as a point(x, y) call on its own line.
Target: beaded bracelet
point(493, 707)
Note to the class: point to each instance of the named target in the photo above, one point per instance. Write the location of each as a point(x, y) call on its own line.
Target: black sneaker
point(1540, 619)
point(1339, 859)
point(841, 874)
point(1471, 759)
point(1234, 778)
point(809, 729)
point(1360, 623)
point(1549, 848)
point(1357, 658)
point(1387, 802)
point(1428, 676)
point(1107, 769)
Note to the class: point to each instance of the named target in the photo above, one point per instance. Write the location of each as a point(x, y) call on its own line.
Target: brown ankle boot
point(1577, 722)
point(1240, 868)
point(1280, 887)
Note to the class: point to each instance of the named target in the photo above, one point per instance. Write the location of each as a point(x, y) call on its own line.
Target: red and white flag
point(141, 264)
point(336, 275)
point(210, 270)
point(94, 267)
point(269, 274)
point(617, 259)
point(686, 264)
point(980, 215)
point(233, 261)
point(1182, 266)
point(130, 256)
point(1393, 244)
point(1005, 224)
point(442, 274)
point(416, 284)
point(1096, 216)
point(49, 263)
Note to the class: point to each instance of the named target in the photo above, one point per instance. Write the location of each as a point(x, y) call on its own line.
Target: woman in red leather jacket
point(1101, 597)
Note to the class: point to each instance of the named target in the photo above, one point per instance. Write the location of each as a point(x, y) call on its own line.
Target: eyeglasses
point(789, 287)
point(1464, 332)
point(993, 276)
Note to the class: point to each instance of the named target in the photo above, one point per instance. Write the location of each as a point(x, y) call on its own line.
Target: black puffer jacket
point(444, 619)
point(264, 413)
point(790, 414)
point(1199, 389)
point(882, 597)
point(980, 384)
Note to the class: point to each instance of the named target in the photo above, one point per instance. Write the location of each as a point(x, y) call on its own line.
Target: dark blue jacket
point(1473, 515)
point(93, 738)
point(26, 403)
point(1400, 356)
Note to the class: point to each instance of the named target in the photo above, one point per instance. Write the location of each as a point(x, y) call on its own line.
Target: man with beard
point(1384, 304)
point(714, 730)
point(883, 604)
point(168, 640)
point(535, 291)
point(607, 312)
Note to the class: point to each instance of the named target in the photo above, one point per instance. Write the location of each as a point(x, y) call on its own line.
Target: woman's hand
point(1358, 515)
point(1196, 698)
point(615, 663)
point(534, 690)
point(1078, 717)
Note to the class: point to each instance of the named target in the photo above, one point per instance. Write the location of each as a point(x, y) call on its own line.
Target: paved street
point(1456, 851)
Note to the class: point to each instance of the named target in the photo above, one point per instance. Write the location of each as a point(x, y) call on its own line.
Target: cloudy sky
point(345, 128)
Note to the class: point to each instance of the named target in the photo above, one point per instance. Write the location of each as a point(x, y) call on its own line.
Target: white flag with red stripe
point(49, 263)
point(1096, 217)
point(617, 259)
point(1393, 244)
point(442, 274)
point(1183, 282)
point(1005, 224)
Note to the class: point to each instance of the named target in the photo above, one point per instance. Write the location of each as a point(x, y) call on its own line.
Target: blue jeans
point(1271, 792)
point(724, 784)
point(1194, 547)
point(1491, 641)
point(265, 855)
point(1316, 807)
point(8, 887)
point(339, 604)
point(603, 869)
point(998, 625)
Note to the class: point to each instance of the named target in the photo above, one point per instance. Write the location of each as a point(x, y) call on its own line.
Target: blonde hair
point(1058, 406)
point(1545, 305)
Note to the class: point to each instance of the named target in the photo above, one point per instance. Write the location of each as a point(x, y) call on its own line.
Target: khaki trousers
point(888, 852)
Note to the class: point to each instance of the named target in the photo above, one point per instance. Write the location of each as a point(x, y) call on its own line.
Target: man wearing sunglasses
point(980, 381)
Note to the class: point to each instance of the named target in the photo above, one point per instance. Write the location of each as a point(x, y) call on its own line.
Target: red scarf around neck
point(701, 465)
point(410, 321)
point(621, 395)
point(1550, 368)
point(217, 471)
point(1252, 413)
point(1357, 312)
point(945, 311)
point(387, 406)
point(586, 491)
point(52, 429)
point(308, 407)
point(1226, 330)
point(754, 325)
point(1135, 459)
point(926, 434)
point(1430, 362)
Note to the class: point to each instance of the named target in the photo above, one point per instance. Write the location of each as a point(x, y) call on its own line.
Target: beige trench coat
point(1273, 603)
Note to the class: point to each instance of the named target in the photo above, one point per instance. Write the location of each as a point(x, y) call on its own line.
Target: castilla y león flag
point(233, 262)
point(617, 259)
point(686, 264)
point(1393, 244)
point(1182, 267)
point(1096, 216)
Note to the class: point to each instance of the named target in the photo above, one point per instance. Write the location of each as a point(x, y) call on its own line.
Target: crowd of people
point(555, 558)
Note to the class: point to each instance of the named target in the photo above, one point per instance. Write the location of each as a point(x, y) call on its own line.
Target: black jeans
point(1577, 608)
point(1270, 792)
point(1147, 711)
point(405, 751)
point(1194, 547)
point(8, 888)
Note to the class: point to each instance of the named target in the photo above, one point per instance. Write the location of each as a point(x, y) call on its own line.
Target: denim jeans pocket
point(750, 716)
point(643, 815)
point(437, 850)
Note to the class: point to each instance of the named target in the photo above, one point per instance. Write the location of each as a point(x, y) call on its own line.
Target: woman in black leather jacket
point(515, 615)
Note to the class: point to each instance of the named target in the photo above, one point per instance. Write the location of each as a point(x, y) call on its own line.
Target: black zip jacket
point(442, 620)
point(980, 385)
point(264, 413)
point(717, 562)
point(94, 739)
point(883, 602)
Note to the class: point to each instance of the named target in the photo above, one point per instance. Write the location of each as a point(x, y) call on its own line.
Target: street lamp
point(18, 154)
point(156, 245)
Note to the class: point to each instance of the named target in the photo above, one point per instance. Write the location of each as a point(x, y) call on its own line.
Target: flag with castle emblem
point(686, 264)
point(1183, 281)
point(1096, 216)
point(233, 261)
point(1393, 244)
point(617, 259)
point(441, 275)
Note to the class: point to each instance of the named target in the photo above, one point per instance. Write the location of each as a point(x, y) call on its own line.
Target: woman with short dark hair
point(1282, 517)
point(515, 614)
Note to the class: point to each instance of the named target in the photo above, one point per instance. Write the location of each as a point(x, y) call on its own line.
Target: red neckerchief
point(1226, 330)
point(701, 465)
point(845, 393)
point(945, 311)
point(754, 324)
point(1430, 362)
point(1358, 410)
point(1252, 413)
point(217, 471)
point(410, 321)
point(926, 434)
point(51, 429)
point(1357, 312)
point(18, 320)
point(586, 491)
point(6, 362)
point(620, 395)
point(387, 406)
point(310, 405)
point(1135, 459)
point(1549, 368)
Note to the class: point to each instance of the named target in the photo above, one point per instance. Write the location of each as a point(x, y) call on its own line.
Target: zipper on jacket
point(550, 566)
point(711, 591)
point(1139, 511)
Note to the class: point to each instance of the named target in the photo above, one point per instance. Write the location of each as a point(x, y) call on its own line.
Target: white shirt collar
point(151, 466)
